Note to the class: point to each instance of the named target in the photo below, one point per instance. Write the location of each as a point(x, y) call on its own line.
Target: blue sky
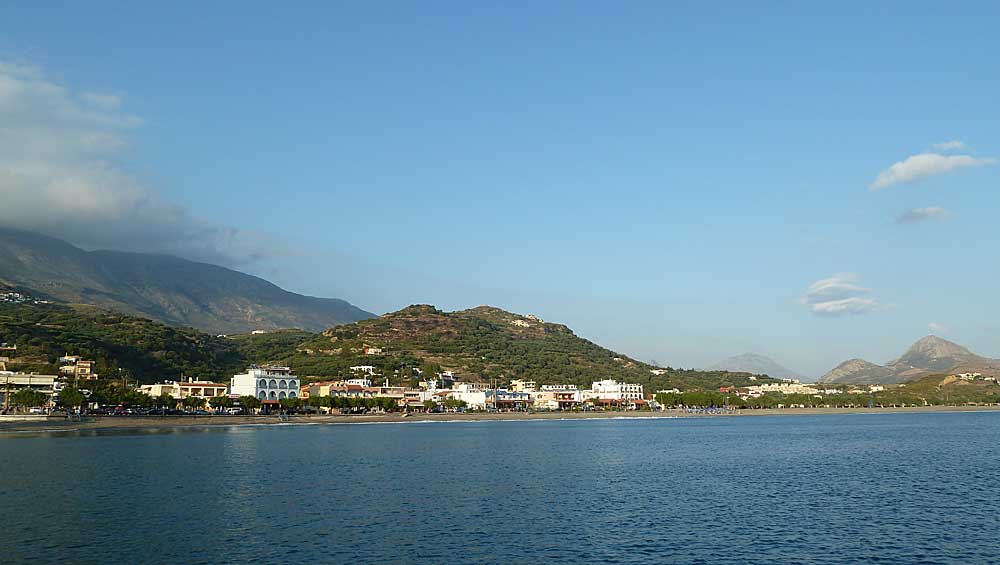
point(677, 181)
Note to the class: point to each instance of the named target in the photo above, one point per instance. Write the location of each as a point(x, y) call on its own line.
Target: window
point(272, 384)
point(291, 394)
point(282, 384)
point(262, 395)
point(262, 383)
point(281, 395)
point(273, 395)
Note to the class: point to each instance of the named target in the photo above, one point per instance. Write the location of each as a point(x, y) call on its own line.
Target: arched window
point(293, 384)
point(291, 394)
point(262, 395)
point(272, 384)
point(282, 384)
point(262, 383)
point(273, 396)
point(281, 395)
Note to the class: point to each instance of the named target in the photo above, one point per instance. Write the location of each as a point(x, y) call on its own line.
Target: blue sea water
point(886, 488)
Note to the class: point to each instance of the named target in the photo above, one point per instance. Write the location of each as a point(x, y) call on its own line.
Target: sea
point(879, 488)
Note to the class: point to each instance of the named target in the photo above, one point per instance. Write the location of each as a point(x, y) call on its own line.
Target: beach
point(9, 425)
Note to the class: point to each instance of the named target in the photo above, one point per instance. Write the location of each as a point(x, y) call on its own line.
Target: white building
point(473, 394)
point(181, 390)
point(269, 384)
point(613, 390)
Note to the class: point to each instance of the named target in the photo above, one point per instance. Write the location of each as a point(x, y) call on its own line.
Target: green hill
point(479, 344)
point(482, 343)
point(145, 350)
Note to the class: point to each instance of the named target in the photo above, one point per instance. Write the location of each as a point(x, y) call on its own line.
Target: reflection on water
point(899, 488)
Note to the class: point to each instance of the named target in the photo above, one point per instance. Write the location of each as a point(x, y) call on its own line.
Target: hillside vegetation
point(482, 343)
point(145, 350)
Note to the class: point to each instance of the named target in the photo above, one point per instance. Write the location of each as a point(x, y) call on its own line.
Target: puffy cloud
point(936, 327)
point(838, 295)
point(915, 215)
point(953, 145)
point(924, 165)
point(61, 174)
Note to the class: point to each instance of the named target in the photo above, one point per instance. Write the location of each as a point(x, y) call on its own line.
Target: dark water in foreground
point(894, 488)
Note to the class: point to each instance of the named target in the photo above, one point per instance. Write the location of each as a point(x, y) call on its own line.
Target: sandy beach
point(175, 422)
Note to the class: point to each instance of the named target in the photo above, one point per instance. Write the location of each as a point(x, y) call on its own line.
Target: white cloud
point(936, 327)
point(915, 215)
point(61, 174)
point(953, 145)
point(838, 295)
point(924, 165)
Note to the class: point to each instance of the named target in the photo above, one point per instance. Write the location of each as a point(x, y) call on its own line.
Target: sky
point(681, 182)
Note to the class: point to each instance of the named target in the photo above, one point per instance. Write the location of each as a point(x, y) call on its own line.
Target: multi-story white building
point(269, 384)
point(613, 390)
point(184, 389)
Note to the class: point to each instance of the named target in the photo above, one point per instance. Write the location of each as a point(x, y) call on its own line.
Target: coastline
point(126, 423)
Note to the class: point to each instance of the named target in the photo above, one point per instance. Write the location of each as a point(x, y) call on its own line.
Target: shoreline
point(127, 423)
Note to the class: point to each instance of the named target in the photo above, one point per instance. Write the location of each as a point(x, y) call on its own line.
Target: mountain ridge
point(165, 288)
point(756, 364)
point(927, 356)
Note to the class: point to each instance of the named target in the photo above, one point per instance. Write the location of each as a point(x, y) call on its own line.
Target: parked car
point(36, 410)
point(233, 411)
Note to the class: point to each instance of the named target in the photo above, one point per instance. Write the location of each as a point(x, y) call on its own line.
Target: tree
point(220, 402)
point(193, 402)
point(289, 403)
point(430, 405)
point(70, 397)
point(28, 397)
point(454, 403)
point(250, 403)
point(166, 400)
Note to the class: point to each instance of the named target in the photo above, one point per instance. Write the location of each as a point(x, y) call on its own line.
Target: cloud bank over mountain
point(63, 173)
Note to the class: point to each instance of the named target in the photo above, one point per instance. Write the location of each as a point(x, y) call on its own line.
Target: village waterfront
point(892, 487)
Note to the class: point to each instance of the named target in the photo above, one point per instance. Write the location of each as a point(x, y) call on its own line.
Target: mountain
point(927, 356)
point(756, 364)
point(478, 344)
point(858, 371)
point(165, 288)
point(934, 354)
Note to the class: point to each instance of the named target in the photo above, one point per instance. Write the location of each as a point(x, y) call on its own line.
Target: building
point(181, 390)
point(503, 399)
point(472, 394)
point(77, 368)
point(268, 383)
point(557, 397)
point(612, 390)
point(518, 385)
point(369, 350)
point(10, 383)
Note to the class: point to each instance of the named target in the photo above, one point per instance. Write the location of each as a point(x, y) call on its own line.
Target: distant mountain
point(756, 364)
point(858, 371)
point(929, 355)
point(164, 288)
point(934, 354)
